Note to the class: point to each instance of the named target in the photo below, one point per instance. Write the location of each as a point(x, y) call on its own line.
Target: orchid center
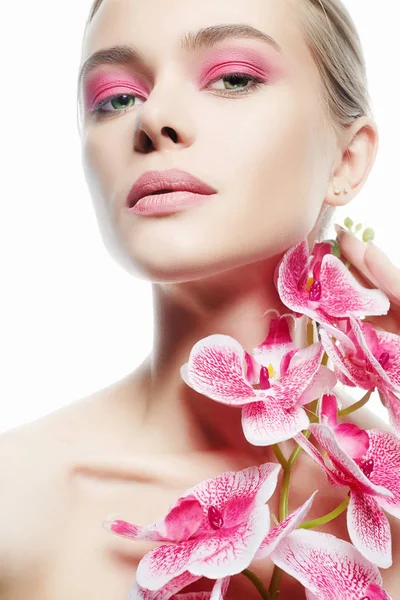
point(215, 517)
point(265, 374)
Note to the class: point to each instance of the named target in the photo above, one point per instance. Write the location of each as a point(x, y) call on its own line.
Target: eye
point(123, 102)
point(238, 79)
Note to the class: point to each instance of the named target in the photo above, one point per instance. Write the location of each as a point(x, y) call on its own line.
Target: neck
point(233, 303)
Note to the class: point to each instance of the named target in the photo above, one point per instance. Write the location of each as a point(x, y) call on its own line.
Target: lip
point(173, 180)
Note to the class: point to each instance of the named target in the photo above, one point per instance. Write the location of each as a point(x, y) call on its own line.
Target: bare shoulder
point(36, 459)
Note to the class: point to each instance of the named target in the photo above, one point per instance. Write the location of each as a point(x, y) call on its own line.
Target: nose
point(163, 123)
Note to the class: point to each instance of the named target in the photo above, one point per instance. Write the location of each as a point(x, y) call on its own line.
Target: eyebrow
point(190, 42)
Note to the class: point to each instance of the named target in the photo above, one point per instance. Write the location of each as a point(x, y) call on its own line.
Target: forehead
point(157, 26)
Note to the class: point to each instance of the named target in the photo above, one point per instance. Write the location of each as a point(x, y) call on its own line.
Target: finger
point(354, 250)
point(384, 271)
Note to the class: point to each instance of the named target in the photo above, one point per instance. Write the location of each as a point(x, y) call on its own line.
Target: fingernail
point(339, 230)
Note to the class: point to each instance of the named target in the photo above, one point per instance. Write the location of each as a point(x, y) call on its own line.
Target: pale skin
point(132, 448)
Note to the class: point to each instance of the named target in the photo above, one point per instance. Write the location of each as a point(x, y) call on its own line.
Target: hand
point(372, 268)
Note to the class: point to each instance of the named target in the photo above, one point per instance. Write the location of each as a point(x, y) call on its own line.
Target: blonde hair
point(335, 45)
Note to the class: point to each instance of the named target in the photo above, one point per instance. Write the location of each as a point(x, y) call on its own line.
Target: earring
point(337, 191)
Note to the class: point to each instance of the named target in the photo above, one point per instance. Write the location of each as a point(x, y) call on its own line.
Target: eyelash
point(257, 83)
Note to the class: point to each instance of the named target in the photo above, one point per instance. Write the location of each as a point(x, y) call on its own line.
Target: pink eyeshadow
point(109, 84)
point(246, 59)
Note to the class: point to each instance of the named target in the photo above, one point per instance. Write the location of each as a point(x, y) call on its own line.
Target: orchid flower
point(216, 528)
point(368, 462)
point(329, 568)
point(213, 530)
point(320, 286)
point(374, 362)
point(288, 378)
point(178, 583)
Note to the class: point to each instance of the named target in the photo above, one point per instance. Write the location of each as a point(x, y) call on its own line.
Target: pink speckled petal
point(346, 465)
point(172, 587)
point(159, 566)
point(299, 376)
point(291, 269)
point(235, 493)
point(358, 375)
point(343, 296)
point(392, 404)
point(284, 528)
point(384, 451)
point(375, 592)
point(220, 588)
point(266, 423)
point(135, 532)
point(218, 592)
point(369, 529)
point(352, 440)
point(390, 376)
point(324, 381)
point(310, 596)
point(328, 410)
point(183, 520)
point(277, 343)
point(230, 551)
point(333, 478)
point(216, 369)
point(328, 567)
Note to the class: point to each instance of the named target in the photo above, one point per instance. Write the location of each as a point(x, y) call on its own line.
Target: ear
point(354, 161)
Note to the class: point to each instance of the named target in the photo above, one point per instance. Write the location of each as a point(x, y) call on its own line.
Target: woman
point(265, 102)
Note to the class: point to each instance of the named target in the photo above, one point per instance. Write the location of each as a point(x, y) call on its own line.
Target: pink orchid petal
point(266, 423)
point(352, 440)
point(390, 376)
point(383, 456)
point(331, 327)
point(375, 592)
point(236, 493)
point(220, 588)
point(392, 404)
point(369, 529)
point(328, 410)
point(252, 369)
point(216, 370)
point(318, 252)
point(135, 532)
point(310, 596)
point(346, 466)
point(183, 519)
point(277, 343)
point(299, 376)
point(343, 296)
point(285, 361)
point(328, 567)
point(218, 592)
point(230, 551)
point(172, 587)
point(312, 451)
point(284, 528)
point(159, 566)
point(291, 269)
point(358, 375)
point(324, 380)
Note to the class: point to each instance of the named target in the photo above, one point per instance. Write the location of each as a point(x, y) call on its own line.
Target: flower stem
point(284, 500)
point(326, 518)
point(356, 405)
point(275, 581)
point(264, 593)
point(279, 455)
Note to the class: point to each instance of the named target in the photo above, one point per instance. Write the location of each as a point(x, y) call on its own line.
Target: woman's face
point(265, 148)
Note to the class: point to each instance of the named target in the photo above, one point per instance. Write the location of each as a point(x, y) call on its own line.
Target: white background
point(72, 321)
